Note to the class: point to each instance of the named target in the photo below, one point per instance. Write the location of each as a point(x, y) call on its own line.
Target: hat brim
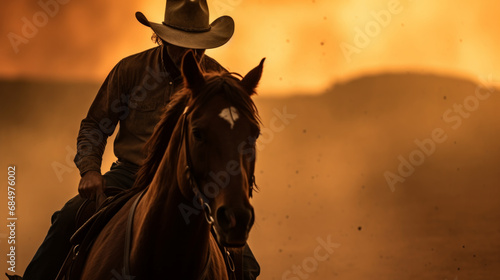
point(221, 31)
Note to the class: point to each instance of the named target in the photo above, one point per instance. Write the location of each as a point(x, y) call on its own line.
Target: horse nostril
point(226, 218)
point(230, 218)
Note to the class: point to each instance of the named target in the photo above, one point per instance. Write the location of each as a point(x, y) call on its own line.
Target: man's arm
point(98, 125)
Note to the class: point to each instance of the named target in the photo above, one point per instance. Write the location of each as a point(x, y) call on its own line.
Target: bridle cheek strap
point(189, 175)
point(200, 198)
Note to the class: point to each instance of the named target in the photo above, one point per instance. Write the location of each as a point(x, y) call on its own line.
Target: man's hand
point(91, 185)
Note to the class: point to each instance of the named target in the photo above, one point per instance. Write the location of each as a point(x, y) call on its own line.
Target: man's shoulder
point(152, 52)
point(209, 64)
point(140, 60)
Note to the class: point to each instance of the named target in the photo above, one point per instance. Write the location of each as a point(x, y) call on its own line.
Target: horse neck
point(161, 233)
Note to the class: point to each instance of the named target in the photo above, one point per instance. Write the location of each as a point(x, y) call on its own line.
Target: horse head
point(220, 126)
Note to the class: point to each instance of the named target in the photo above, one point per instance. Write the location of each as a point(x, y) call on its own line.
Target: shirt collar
point(168, 64)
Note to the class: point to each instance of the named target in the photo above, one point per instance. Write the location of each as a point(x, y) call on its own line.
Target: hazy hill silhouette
point(321, 171)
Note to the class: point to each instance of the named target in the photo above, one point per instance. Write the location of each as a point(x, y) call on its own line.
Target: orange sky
point(302, 40)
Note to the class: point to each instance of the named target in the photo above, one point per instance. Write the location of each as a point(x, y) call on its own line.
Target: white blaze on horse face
point(230, 115)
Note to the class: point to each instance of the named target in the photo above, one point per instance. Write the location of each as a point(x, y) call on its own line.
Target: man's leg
point(54, 249)
point(120, 176)
point(251, 268)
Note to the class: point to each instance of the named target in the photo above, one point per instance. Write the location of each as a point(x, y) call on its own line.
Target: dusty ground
point(321, 173)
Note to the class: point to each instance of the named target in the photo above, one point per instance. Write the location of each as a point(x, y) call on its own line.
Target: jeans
point(251, 268)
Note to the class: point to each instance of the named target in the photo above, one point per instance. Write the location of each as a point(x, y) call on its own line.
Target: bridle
point(198, 196)
point(188, 171)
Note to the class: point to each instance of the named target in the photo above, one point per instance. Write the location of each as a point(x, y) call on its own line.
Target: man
point(133, 96)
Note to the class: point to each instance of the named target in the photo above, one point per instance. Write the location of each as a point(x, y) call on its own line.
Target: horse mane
point(224, 83)
point(158, 142)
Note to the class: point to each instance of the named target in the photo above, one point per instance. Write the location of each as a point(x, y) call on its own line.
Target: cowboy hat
point(186, 25)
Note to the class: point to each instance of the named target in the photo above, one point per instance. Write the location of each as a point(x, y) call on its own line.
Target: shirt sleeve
point(100, 123)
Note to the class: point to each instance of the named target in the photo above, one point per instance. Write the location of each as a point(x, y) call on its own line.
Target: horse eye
point(197, 134)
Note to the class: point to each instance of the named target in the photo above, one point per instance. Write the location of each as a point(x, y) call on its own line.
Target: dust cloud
point(321, 171)
point(324, 176)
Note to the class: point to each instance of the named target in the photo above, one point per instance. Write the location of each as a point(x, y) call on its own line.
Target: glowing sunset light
point(309, 44)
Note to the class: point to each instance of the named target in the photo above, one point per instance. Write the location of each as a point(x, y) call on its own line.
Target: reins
point(128, 234)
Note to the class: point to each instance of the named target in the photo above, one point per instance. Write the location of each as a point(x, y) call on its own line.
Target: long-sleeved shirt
point(134, 95)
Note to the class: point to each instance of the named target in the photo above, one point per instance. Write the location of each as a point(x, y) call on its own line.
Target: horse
point(193, 191)
point(13, 277)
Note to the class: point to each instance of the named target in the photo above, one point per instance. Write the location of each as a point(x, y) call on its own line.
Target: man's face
point(177, 53)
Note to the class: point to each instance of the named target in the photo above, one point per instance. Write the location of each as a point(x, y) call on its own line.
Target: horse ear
point(251, 80)
point(193, 77)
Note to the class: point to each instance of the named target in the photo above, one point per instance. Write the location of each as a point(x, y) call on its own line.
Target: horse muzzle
point(233, 225)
